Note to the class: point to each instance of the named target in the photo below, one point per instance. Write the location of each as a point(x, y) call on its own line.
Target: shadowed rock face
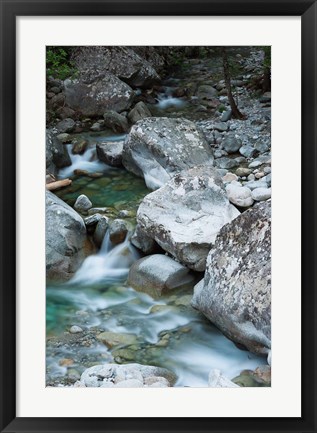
point(185, 215)
point(94, 98)
point(65, 239)
point(236, 291)
point(158, 148)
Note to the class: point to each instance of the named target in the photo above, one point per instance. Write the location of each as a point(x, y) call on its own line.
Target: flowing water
point(166, 332)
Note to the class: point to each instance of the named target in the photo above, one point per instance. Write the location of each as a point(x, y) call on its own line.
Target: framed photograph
point(141, 230)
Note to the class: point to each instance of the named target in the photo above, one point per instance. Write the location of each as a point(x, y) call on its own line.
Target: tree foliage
point(58, 64)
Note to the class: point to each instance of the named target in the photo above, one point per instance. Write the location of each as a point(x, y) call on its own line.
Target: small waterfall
point(88, 162)
point(167, 100)
point(111, 264)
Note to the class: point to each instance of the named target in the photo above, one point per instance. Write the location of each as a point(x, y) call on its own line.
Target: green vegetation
point(58, 63)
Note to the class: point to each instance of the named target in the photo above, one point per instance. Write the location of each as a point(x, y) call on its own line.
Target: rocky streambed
point(158, 251)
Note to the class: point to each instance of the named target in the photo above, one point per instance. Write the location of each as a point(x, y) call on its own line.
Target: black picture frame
point(10, 9)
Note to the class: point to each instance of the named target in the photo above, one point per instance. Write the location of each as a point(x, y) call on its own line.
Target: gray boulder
point(236, 291)
point(231, 144)
point(101, 229)
point(82, 204)
point(115, 121)
point(159, 148)
point(65, 239)
point(66, 125)
point(205, 91)
point(56, 154)
point(95, 61)
point(110, 152)
point(118, 231)
point(158, 274)
point(239, 195)
point(261, 194)
point(94, 98)
point(139, 112)
point(185, 215)
point(248, 151)
point(227, 163)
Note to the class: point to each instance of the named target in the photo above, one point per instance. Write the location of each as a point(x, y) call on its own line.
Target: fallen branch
point(58, 184)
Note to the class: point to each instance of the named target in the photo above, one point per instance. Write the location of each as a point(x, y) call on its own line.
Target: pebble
point(75, 329)
point(239, 195)
point(261, 194)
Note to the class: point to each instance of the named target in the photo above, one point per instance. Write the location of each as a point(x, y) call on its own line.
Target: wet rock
point(236, 292)
point(143, 242)
point(65, 239)
point(118, 231)
point(56, 154)
point(64, 138)
point(185, 215)
point(110, 152)
point(112, 339)
point(66, 125)
point(158, 274)
point(101, 229)
point(261, 194)
point(116, 121)
point(91, 99)
point(139, 112)
point(82, 204)
point(96, 127)
point(79, 146)
point(76, 329)
point(217, 380)
point(231, 144)
point(239, 195)
point(158, 148)
point(99, 375)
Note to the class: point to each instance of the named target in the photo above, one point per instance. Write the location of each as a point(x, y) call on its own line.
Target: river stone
point(158, 274)
point(99, 375)
point(82, 204)
point(236, 293)
point(96, 127)
point(66, 125)
point(115, 121)
point(242, 172)
point(226, 163)
point(261, 194)
point(75, 329)
point(231, 144)
point(143, 242)
point(247, 151)
point(217, 380)
point(206, 92)
point(56, 154)
point(261, 147)
point(112, 339)
point(101, 229)
point(118, 231)
point(256, 163)
point(229, 177)
point(110, 152)
point(185, 215)
point(239, 195)
point(253, 184)
point(157, 148)
point(93, 98)
point(140, 111)
point(226, 115)
point(123, 62)
point(79, 146)
point(65, 239)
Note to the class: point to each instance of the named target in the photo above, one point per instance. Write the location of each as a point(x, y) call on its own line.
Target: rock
point(56, 154)
point(116, 121)
point(239, 195)
point(236, 293)
point(185, 215)
point(243, 171)
point(154, 381)
point(217, 380)
point(226, 115)
point(66, 125)
point(112, 339)
point(253, 184)
point(79, 146)
point(256, 163)
point(110, 152)
point(221, 127)
point(206, 92)
point(75, 329)
point(92, 220)
point(140, 111)
point(101, 229)
point(261, 147)
point(269, 358)
point(226, 163)
point(247, 151)
point(93, 98)
point(144, 242)
point(231, 144)
point(118, 231)
point(158, 274)
point(65, 239)
point(64, 138)
point(129, 383)
point(96, 127)
point(123, 62)
point(100, 375)
point(267, 170)
point(158, 148)
point(261, 194)
point(229, 177)
point(82, 204)
point(65, 112)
